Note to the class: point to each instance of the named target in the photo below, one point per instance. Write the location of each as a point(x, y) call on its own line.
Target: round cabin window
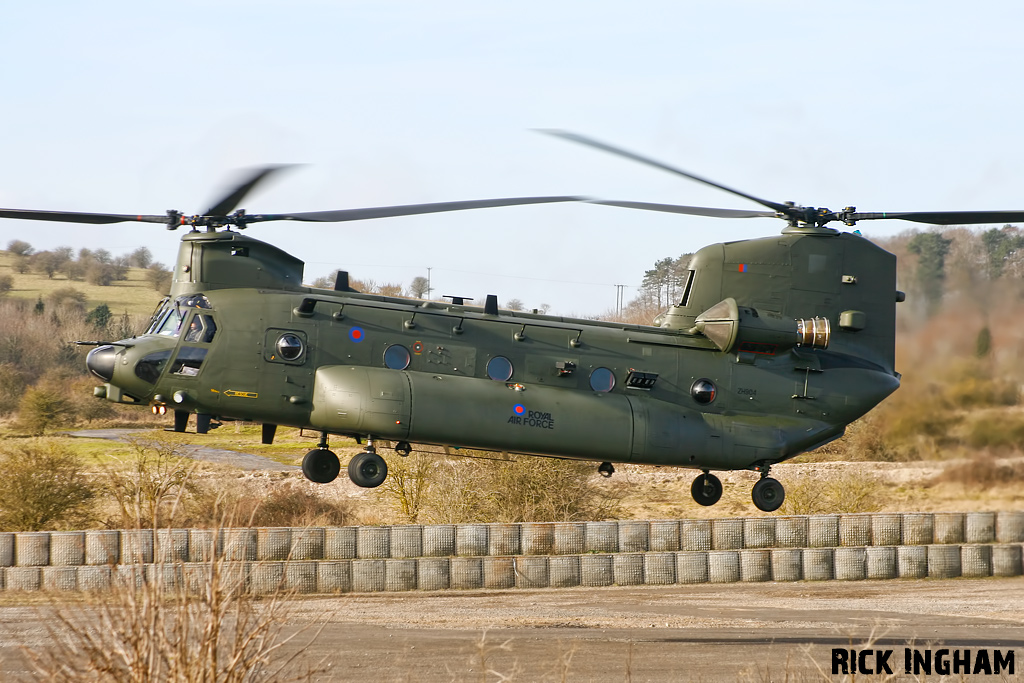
point(499, 369)
point(289, 347)
point(397, 357)
point(703, 391)
point(602, 379)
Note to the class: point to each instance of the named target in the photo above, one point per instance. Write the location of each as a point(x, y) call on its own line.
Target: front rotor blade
point(657, 164)
point(78, 217)
point(406, 210)
point(945, 217)
point(228, 203)
point(691, 210)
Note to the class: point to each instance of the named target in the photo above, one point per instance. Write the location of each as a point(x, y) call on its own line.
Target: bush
point(983, 472)
point(67, 297)
point(292, 503)
point(996, 431)
point(6, 284)
point(833, 492)
point(42, 408)
point(12, 388)
point(149, 485)
point(19, 247)
point(43, 487)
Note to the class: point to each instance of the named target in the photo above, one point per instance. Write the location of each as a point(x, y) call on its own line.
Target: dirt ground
point(746, 632)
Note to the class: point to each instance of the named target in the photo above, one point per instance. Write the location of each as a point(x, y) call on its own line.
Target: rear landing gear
point(321, 465)
point(768, 494)
point(706, 489)
point(606, 469)
point(367, 469)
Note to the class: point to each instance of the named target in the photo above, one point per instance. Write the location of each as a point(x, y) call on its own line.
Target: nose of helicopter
point(100, 362)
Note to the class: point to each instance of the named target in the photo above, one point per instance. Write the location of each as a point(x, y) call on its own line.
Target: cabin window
point(397, 357)
point(687, 288)
point(703, 391)
point(201, 329)
point(189, 360)
point(149, 368)
point(290, 347)
point(602, 380)
point(499, 369)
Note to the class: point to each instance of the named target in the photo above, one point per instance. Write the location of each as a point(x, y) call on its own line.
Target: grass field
point(135, 295)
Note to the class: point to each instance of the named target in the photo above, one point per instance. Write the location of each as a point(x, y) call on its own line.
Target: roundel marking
point(518, 409)
point(417, 347)
point(356, 334)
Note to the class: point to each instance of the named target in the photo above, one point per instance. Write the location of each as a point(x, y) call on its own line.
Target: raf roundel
point(518, 409)
point(356, 334)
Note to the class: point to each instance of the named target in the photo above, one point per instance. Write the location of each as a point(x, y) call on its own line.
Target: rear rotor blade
point(406, 210)
point(78, 217)
point(691, 210)
point(590, 142)
point(228, 203)
point(942, 217)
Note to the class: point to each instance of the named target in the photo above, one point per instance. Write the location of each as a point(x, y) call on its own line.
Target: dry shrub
point(833, 492)
point(287, 503)
point(43, 487)
point(983, 471)
point(507, 490)
point(42, 409)
point(12, 387)
point(996, 431)
point(148, 486)
point(182, 624)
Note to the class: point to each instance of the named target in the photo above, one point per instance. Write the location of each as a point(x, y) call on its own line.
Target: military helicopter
point(775, 346)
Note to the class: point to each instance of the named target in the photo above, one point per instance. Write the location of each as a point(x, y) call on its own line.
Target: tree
point(6, 284)
point(100, 274)
point(141, 258)
point(159, 276)
point(67, 297)
point(100, 317)
point(418, 287)
point(514, 305)
point(20, 248)
point(1000, 246)
point(931, 249)
point(46, 263)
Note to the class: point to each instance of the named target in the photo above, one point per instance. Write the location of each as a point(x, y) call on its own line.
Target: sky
point(129, 107)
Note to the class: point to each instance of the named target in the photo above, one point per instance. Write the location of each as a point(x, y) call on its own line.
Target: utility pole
point(619, 298)
point(429, 288)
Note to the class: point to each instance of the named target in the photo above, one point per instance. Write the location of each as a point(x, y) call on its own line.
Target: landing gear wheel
point(706, 489)
point(606, 469)
point(321, 465)
point(367, 470)
point(768, 494)
point(403, 448)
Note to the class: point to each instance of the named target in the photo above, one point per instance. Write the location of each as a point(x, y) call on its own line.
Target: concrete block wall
point(466, 556)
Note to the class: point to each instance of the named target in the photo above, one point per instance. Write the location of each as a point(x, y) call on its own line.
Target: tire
point(706, 489)
point(367, 470)
point(321, 466)
point(768, 495)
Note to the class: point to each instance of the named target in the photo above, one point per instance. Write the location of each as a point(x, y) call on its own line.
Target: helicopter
point(775, 346)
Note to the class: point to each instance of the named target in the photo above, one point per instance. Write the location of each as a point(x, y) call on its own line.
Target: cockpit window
point(201, 329)
point(149, 368)
point(170, 325)
point(195, 301)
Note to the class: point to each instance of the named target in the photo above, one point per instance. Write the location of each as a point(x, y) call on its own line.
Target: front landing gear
point(706, 489)
point(768, 494)
point(367, 469)
point(320, 464)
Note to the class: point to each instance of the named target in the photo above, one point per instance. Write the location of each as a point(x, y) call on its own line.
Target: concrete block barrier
point(787, 564)
point(663, 535)
point(628, 569)
point(537, 538)
point(170, 545)
point(23, 578)
point(855, 530)
point(880, 562)
point(759, 532)
point(823, 531)
point(564, 571)
point(569, 538)
point(93, 578)
point(912, 561)
point(504, 539)
point(340, 543)
point(67, 548)
point(1006, 560)
point(238, 545)
point(980, 527)
point(633, 536)
point(301, 576)
point(695, 534)
point(32, 549)
point(309, 544)
point(727, 534)
point(59, 578)
point(944, 561)
point(948, 527)
point(399, 575)
point(335, 576)
point(466, 573)
point(137, 546)
point(659, 569)
point(471, 540)
point(1009, 529)
point(439, 540)
point(596, 570)
point(532, 572)
point(886, 529)
point(819, 563)
point(850, 564)
point(975, 561)
point(918, 528)
point(755, 565)
point(600, 537)
point(102, 547)
point(368, 576)
point(432, 573)
point(723, 566)
point(373, 542)
point(499, 572)
point(791, 532)
point(407, 541)
point(6, 549)
point(269, 577)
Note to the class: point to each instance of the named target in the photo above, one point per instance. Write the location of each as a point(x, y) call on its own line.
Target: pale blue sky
point(132, 107)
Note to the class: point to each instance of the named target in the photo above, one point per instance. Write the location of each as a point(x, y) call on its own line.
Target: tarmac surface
point(706, 632)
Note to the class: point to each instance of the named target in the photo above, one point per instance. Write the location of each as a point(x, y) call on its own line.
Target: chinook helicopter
point(775, 346)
